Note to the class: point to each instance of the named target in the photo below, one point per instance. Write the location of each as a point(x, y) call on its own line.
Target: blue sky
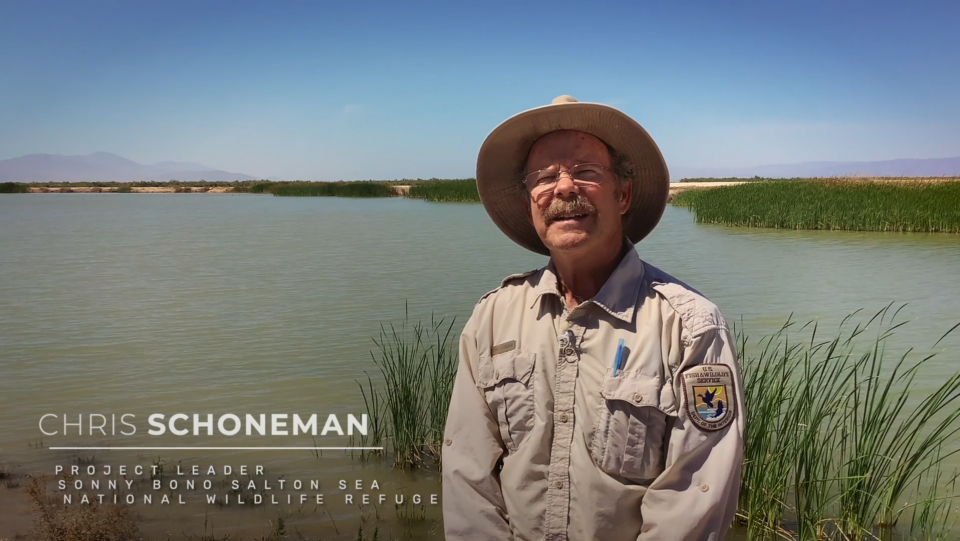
point(335, 90)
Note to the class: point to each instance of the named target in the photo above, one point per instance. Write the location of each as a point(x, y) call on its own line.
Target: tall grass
point(446, 191)
point(840, 444)
point(14, 187)
point(838, 440)
point(333, 189)
point(259, 187)
point(408, 410)
point(851, 205)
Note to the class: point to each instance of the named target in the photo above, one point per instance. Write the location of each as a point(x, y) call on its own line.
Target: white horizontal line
point(216, 448)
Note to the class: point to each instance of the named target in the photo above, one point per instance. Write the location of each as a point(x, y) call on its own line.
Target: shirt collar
point(619, 294)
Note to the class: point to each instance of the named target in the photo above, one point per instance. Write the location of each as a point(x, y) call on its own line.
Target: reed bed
point(850, 205)
point(14, 187)
point(446, 191)
point(332, 189)
point(839, 444)
point(408, 409)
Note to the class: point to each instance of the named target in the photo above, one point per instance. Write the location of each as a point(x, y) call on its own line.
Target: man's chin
point(567, 241)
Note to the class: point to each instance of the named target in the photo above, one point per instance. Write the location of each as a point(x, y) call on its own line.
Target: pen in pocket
point(618, 362)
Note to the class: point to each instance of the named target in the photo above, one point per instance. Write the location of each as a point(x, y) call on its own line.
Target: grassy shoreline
point(847, 205)
point(851, 204)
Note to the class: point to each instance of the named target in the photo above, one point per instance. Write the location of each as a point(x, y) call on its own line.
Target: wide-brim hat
point(503, 157)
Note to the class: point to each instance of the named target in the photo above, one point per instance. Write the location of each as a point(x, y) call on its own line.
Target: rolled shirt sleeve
point(695, 498)
point(473, 506)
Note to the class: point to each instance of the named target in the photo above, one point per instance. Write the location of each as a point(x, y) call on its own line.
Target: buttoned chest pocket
point(628, 439)
point(507, 384)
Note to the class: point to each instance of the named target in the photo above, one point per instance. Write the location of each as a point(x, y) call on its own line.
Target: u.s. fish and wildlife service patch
point(710, 397)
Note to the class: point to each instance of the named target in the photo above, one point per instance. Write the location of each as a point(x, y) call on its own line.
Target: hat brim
point(503, 157)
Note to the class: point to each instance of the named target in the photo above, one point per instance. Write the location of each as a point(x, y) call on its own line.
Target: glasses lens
point(541, 178)
point(588, 172)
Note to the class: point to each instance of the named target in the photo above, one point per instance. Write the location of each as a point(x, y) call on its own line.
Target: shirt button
point(638, 397)
point(449, 442)
point(704, 488)
point(563, 417)
point(558, 484)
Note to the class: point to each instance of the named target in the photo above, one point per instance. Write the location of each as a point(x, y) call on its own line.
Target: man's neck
point(581, 278)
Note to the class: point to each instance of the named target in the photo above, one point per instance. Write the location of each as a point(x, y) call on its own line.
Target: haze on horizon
point(325, 91)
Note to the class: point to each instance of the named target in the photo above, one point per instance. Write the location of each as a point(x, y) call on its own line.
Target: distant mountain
point(934, 167)
point(104, 167)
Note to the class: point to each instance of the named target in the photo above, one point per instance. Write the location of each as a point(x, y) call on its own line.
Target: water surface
point(141, 303)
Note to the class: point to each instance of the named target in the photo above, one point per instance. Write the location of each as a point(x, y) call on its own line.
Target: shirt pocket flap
point(637, 389)
point(515, 365)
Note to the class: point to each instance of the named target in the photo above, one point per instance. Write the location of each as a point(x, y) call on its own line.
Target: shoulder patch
point(710, 397)
point(507, 280)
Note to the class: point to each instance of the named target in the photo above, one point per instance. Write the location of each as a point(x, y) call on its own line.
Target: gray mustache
point(559, 207)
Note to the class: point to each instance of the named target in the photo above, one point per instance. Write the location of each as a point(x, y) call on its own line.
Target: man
point(597, 398)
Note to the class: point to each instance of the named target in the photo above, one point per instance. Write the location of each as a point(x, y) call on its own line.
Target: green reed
point(838, 441)
point(14, 187)
point(839, 445)
point(935, 516)
point(259, 187)
point(851, 205)
point(332, 189)
point(408, 411)
point(446, 191)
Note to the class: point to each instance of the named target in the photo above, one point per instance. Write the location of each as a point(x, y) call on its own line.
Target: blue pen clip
point(618, 363)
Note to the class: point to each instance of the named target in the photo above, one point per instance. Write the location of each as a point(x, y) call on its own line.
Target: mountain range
point(934, 167)
point(105, 167)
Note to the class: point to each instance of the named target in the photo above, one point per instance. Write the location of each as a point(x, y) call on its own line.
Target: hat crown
point(564, 99)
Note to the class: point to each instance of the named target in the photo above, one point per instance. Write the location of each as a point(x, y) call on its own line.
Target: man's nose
point(565, 186)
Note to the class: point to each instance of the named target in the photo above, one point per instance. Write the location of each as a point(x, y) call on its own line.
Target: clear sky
point(355, 90)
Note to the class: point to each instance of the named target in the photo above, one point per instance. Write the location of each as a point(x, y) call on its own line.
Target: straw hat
point(503, 157)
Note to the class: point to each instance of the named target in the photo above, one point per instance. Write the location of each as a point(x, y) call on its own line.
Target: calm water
point(143, 303)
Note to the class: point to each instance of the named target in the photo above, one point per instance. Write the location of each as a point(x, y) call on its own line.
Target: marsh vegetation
point(408, 408)
point(849, 205)
point(447, 191)
point(840, 445)
point(332, 189)
point(14, 187)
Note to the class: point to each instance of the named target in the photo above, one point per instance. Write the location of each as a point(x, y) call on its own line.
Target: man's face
point(573, 216)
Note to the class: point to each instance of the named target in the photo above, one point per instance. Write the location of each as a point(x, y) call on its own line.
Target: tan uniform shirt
point(544, 441)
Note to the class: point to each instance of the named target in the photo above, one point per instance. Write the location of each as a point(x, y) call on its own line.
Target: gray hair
point(622, 168)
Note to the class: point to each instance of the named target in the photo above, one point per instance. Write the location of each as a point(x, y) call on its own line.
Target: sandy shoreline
point(134, 189)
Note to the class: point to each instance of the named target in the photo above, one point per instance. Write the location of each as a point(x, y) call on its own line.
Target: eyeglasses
point(583, 175)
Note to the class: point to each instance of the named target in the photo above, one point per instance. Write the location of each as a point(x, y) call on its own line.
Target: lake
point(142, 303)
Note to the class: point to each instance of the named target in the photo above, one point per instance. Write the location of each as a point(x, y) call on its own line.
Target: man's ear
point(626, 196)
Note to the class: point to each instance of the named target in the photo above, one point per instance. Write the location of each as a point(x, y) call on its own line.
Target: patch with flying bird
point(709, 395)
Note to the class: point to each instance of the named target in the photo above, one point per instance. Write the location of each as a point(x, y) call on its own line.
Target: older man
point(597, 398)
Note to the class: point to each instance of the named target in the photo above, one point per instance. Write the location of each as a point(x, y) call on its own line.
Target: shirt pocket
point(628, 439)
point(507, 384)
